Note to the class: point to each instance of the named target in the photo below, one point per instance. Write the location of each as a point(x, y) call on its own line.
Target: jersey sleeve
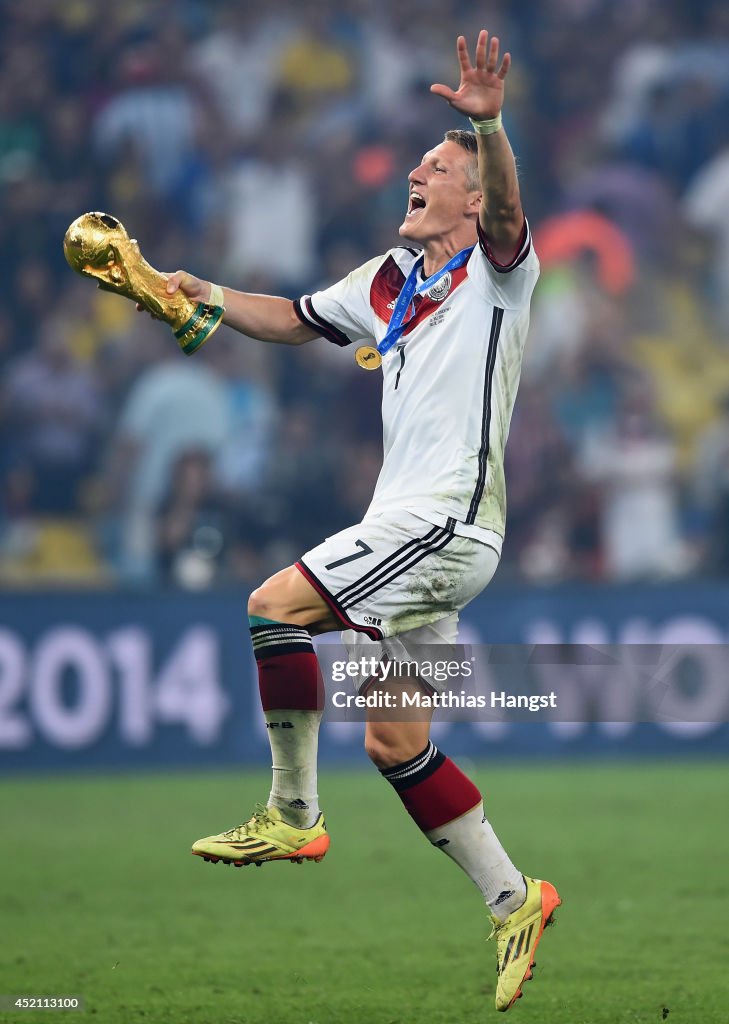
point(509, 285)
point(342, 313)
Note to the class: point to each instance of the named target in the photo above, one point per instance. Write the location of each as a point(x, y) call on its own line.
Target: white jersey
point(449, 384)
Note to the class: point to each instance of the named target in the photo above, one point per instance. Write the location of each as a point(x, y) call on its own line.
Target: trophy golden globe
point(97, 245)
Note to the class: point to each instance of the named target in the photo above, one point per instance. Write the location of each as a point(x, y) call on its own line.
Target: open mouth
point(415, 204)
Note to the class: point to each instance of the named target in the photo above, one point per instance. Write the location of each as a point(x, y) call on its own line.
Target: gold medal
point(368, 357)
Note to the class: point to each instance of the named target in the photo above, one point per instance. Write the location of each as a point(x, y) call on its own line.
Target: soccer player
point(447, 316)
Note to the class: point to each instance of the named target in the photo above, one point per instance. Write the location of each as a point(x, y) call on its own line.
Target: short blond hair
point(467, 140)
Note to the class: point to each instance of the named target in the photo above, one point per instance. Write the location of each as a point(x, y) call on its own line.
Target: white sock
point(294, 739)
point(472, 844)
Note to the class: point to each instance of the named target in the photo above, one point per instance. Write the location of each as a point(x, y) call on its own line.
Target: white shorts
point(391, 575)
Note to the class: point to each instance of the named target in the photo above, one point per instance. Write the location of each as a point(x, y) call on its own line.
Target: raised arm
point(480, 97)
point(265, 317)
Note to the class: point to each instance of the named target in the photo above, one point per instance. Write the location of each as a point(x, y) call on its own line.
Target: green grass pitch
point(100, 897)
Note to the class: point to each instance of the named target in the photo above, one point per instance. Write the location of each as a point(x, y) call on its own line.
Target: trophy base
point(203, 322)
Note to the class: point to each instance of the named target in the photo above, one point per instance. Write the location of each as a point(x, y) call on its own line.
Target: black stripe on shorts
point(425, 547)
point(414, 542)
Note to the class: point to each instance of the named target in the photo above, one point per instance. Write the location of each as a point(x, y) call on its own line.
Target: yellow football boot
point(265, 836)
point(517, 938)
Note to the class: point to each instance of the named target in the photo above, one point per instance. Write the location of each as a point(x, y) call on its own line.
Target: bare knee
point(277, 598)
point(262, 601)
point(288, 597)
point(387, 749)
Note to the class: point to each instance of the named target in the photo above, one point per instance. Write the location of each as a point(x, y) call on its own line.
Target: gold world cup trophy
point(97, 245)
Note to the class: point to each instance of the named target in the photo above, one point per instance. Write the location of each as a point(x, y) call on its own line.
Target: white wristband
point(488, 127)
point(217, 298)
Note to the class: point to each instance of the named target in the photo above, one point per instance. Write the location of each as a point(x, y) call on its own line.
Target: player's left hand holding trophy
point(97, 245)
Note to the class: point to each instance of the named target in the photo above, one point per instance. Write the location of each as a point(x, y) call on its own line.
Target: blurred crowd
point(267, 147)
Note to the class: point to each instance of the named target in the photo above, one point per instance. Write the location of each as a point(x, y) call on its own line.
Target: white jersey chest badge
point(440, 289)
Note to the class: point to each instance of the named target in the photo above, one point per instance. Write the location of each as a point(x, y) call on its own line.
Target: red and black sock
point(448, 808)
point(292, 697)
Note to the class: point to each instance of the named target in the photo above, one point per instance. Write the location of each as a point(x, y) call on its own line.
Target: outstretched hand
point(480, 93)
point(191, 286)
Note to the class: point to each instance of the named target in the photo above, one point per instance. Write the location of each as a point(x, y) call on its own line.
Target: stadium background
point(143, 495)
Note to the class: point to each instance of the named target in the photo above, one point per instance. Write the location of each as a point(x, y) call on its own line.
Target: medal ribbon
point(408, 292)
